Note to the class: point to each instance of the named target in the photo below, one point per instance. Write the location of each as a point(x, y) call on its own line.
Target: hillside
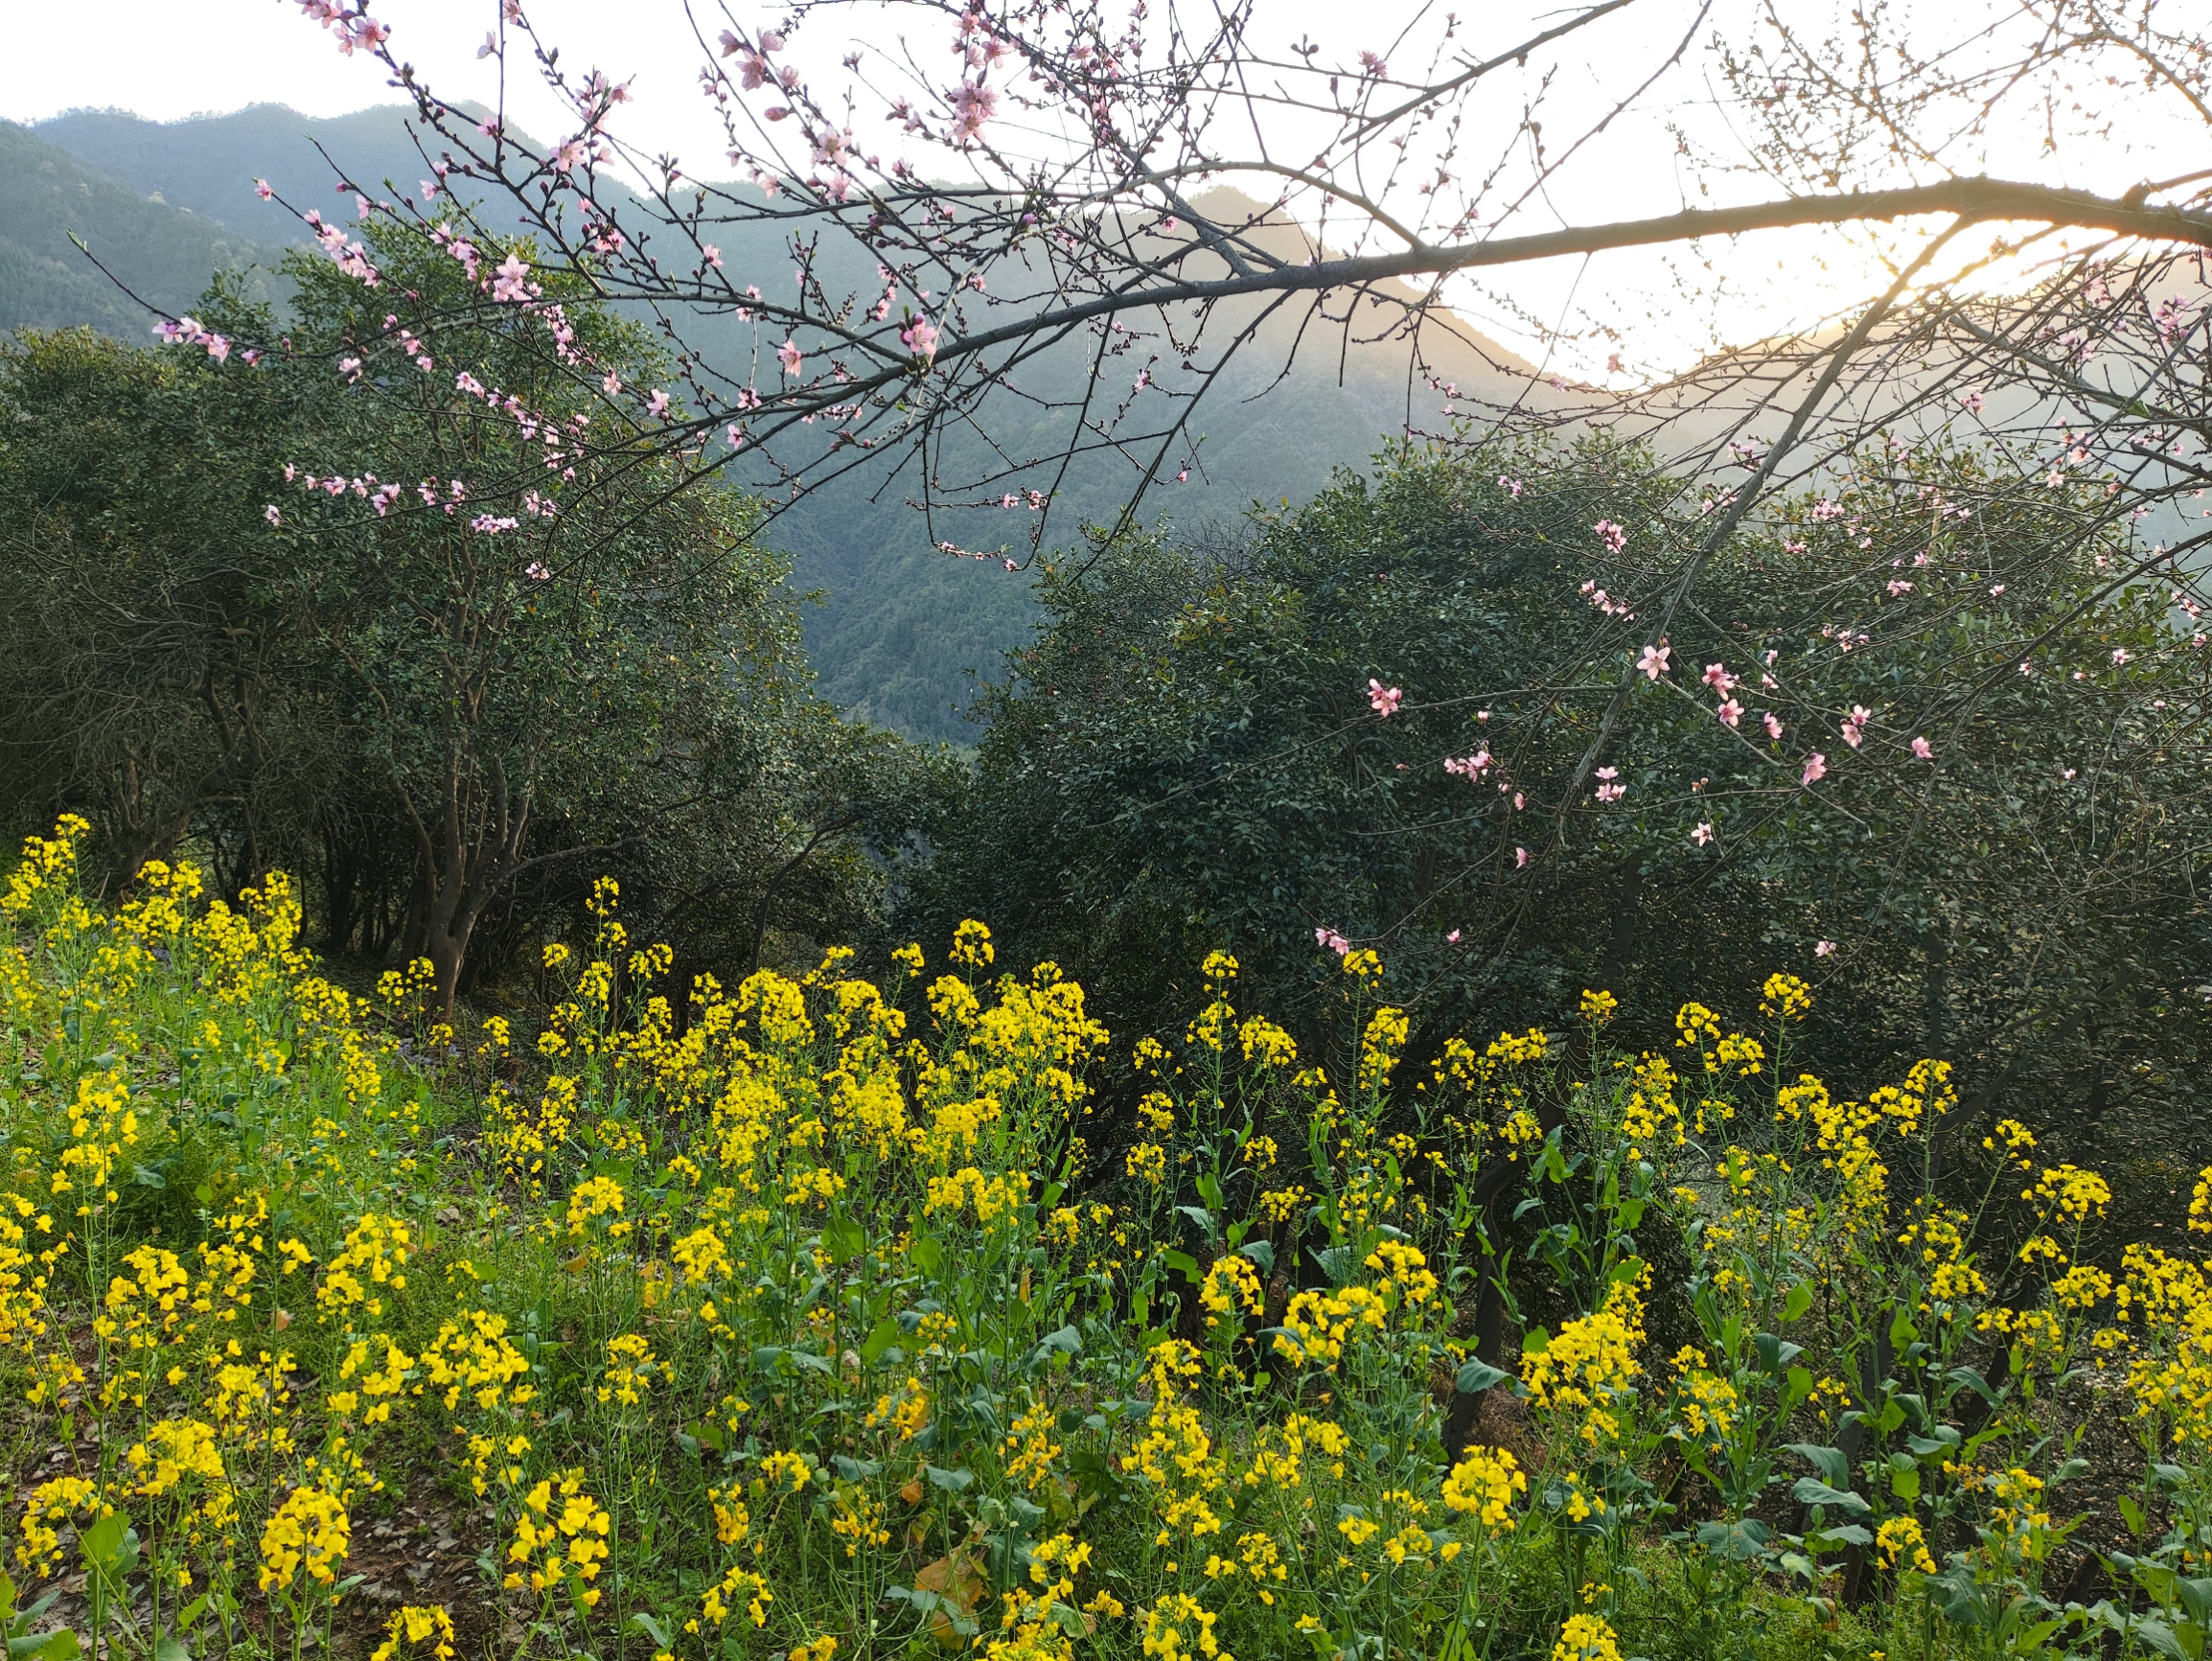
point(162, 252)
point(901, 630)
point(207, 165)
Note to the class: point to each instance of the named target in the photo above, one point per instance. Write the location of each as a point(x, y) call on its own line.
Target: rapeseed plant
point(834, 1320)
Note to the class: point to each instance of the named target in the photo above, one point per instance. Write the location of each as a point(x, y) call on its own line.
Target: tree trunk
point(466, 860)
point(762, 912)
point(341, 884)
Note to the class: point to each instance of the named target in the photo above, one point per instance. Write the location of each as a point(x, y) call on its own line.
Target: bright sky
point(131, 55)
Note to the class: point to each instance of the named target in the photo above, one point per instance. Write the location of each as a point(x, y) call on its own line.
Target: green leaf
point(1336, 1262)
point(1813, 1492)
point(1843, 1534)
point(170, 1649)
point(2131, 1515)
point(1974, 1382)
point(2197, 1599)
point(881, 1337)
point(1260, 1252)
point(1069, 1621)
point(951, 1481)
point(1067, 1341)
point(104, 1543)
point(1797, 1303)
point(1831, 1462)
point(2160, 1636)
point(1740, 1542)
point(1477, 1375)
point(652, 1629)
point(842, 1239)
point(1775, 1352)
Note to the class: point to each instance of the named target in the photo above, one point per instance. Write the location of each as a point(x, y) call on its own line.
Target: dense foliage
point(384, 623)
point(1927, 739)
point(816, 1327)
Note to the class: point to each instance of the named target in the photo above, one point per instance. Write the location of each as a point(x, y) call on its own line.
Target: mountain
point(903, 630)
point(161, 252)
point(207, 165)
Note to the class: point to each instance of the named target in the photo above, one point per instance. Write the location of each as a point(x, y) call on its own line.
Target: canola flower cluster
point(816, 1317)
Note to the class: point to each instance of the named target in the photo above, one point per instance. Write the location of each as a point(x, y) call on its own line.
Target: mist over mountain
point(903, 631)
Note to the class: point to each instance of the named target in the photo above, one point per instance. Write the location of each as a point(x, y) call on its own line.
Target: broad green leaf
point(1813, 1492)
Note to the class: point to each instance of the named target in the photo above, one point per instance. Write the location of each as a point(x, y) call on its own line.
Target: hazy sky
point(134, 55)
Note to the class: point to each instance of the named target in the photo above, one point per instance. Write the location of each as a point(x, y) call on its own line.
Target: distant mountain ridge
point(904, 629)
point(207, 164)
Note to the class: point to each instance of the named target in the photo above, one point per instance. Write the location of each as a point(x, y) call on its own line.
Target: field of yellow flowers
point(805, 1321)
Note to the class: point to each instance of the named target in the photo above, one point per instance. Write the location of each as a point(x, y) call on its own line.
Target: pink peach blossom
point(972, 105)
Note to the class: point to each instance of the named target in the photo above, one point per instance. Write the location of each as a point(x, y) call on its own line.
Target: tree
point(1093, 218)
point(819, 847)
point(1012, 300)
point(149, 672)
point(517, 634)
point(399, 614)
point(1972, 814)
point(1087, 226)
